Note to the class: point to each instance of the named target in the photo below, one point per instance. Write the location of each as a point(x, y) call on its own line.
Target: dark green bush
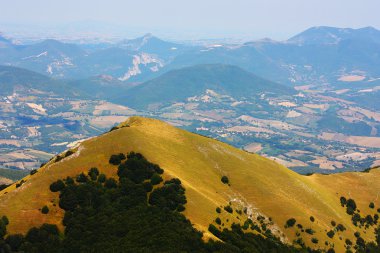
point(45, 210)
point(290, 223)
point(225, 180)
point(228, 209)
point(156, 179)
point(331, 234)
point(93, 173)
point(314, 240)
point(102, 178)
point(81, 178)
point(343, 201)
point(57, 186)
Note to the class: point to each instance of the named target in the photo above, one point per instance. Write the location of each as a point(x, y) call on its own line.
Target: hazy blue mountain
point(333, 35)
point(152, 45)
point(178, 85)
point(318, 55)
point(22, 81)
point(101, 87)
point(5, 42)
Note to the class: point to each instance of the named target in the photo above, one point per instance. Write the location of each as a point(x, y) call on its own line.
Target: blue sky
point(278, 19)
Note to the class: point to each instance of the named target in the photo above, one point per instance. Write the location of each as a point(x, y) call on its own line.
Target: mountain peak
point(334, 35)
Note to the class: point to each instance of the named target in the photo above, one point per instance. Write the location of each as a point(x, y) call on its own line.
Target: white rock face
point(142, 59)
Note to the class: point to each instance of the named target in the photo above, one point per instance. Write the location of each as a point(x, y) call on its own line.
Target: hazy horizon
point(240, 19)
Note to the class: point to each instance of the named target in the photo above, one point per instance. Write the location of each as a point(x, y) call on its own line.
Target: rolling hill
point(19, 80)
point(178, 85)
point(262, 188)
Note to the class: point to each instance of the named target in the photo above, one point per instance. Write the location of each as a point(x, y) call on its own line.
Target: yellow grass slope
point(261, 185)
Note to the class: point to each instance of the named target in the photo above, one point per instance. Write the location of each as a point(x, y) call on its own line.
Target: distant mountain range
point(317, 55)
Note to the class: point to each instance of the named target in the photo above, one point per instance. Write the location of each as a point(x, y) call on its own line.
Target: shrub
point(312, 219)
point(110, 183)
point(170, 196)
point(81, 178)
point(331, 234)
point(45, 210)
point(148, 186)
point(333, 223)
point(57, 186)
point(102, 178)
point(225, 180)
point(309, 231)
point(69, 153)
point(14, 241)
point(343, 201)
point(356, 218)
point(371, 205)
point(218, 221)
point(357, 234)
point(116, 159)
point(290, 223)
point(156, 179)
point(93, 173)
point(340, 227)
point(32, 172)
point(20, 183)
point(69, 181)
point(351, 203)
point(218, 210)
point(228, 209)
point(314, 240)
point(369, 219)
point(213, 230)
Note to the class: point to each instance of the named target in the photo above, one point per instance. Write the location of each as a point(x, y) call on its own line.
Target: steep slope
point(178, 85)
point(261, 186)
